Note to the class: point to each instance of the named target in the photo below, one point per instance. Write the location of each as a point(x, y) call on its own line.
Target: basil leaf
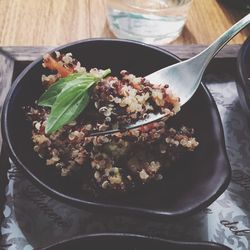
point(85, 81)
point(49, 96)
point(71, 100)
point(69, 104)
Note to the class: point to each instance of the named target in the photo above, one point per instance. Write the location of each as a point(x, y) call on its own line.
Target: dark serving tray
point(230, 227)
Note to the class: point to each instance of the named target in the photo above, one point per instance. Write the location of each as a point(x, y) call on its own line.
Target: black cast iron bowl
point(190, 186)
point(243, 76)
point(130, 242)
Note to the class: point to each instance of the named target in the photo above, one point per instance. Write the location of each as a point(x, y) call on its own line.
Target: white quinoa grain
point(105, 184)
point(143, 175)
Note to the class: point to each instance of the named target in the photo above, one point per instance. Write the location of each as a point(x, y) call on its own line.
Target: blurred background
point(56, 22)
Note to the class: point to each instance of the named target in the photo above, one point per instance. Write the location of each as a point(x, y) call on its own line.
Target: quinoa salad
point(120, 161)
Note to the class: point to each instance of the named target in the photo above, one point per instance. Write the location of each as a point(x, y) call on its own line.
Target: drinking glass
point(150, 21)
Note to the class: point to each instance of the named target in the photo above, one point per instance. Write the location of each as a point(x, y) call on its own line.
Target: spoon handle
point(220, 42)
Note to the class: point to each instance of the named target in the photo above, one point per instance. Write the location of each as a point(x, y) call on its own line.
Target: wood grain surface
point(56, 22)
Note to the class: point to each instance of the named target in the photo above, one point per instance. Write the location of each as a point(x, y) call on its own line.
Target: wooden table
point(56, 22)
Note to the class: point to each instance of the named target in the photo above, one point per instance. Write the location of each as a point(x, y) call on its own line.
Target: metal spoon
point(185, 77)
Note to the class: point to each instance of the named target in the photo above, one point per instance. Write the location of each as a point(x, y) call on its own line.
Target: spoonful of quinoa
point(125, 103)
point(111, 103)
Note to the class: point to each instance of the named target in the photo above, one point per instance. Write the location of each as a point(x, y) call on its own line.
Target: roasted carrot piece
point(136, 85)
point(51, 63)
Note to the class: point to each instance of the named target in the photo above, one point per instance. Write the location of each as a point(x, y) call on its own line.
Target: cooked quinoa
point(118, 161)
point(131, 98)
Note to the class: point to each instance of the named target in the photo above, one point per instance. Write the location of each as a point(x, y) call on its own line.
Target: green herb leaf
point(71, 100)
point(69, 104)
point(50, 95)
